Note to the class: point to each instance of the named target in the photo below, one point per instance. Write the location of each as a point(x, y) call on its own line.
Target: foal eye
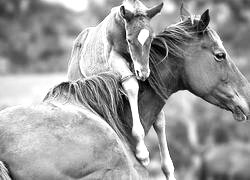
point(220, 56)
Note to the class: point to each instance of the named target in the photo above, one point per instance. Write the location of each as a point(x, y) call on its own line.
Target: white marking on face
point(143, 36)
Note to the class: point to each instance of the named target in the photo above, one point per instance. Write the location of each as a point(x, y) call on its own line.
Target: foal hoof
point(145, 162)
point(143, 157)
point(171, 177)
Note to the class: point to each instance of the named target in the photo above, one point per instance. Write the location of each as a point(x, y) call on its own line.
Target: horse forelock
point(99, 93)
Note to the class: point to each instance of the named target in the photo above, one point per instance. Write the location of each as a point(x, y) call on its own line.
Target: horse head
point(139, 34)
point(209, 71)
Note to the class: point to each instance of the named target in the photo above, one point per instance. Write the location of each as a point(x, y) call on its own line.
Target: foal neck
point(116, 33)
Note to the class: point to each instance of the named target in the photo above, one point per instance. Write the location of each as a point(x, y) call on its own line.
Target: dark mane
point(99, 93)
point(169, 43)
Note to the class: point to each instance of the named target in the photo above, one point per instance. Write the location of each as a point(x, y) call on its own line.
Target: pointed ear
point(154, 10)
point(126, 14)
point(184, 12)
point(204, 21)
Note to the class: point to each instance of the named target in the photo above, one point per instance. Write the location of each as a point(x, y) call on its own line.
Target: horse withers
point(124, 37)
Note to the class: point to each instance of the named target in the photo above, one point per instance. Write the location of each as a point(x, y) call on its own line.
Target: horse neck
point(172, 69)
point(115, 27)
point(116, 24)
point(150, 102)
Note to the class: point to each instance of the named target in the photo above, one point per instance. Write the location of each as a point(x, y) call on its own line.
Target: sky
point(76, 5)
point(82, 5)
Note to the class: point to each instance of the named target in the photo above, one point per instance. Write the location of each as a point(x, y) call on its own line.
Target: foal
point(124, 36)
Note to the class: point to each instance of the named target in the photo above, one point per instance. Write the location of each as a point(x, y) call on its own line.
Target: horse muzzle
point(241, 110)
point(142, 74)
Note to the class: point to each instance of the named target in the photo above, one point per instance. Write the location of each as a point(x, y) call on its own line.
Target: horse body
point(54, 140)
point(95, 48)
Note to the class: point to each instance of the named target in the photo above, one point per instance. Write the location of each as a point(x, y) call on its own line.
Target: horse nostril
point(143, 78)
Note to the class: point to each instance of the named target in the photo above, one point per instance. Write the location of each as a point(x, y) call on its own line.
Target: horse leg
point(4, 173)
point(131, 88)
point(166, 161)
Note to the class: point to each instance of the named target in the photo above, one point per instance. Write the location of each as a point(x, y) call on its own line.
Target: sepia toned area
point(36, 37)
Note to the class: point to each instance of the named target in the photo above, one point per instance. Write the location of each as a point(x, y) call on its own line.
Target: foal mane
point(99, 93)
point(169, 43)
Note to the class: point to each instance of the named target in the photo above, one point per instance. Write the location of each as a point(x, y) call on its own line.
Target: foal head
point(209, 72)
point(139, 34)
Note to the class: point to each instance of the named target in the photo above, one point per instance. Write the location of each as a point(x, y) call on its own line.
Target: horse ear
point(126, 14)
point(154, 10)
point(184, 12)
point(204, 21)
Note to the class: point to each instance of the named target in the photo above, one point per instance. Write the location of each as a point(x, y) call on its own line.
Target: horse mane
point(169, 43)
point(99, 93)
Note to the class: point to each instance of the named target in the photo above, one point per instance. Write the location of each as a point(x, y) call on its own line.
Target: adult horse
point(125, 35)
point(66, 137)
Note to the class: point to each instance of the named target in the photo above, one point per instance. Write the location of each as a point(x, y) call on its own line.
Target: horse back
point(90, 52)
point(92, 48)
point(49, 142)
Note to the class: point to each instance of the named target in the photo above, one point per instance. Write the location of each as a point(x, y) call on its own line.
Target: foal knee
point(131, 87)
point(167, 168)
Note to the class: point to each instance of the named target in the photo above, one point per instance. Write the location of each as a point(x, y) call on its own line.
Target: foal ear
point(204, 21)
point(154, 10)
point(184, 12)
point(126, 14)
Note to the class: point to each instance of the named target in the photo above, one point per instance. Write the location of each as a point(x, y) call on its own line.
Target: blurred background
point(36, 37)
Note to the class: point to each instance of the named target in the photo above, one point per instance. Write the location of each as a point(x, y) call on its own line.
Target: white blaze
point(143, 36)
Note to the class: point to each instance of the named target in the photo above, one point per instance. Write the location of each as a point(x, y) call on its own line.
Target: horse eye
point(220, 56)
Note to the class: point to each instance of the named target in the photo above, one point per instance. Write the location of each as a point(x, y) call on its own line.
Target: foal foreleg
point(166, 161)
point(131, 87)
